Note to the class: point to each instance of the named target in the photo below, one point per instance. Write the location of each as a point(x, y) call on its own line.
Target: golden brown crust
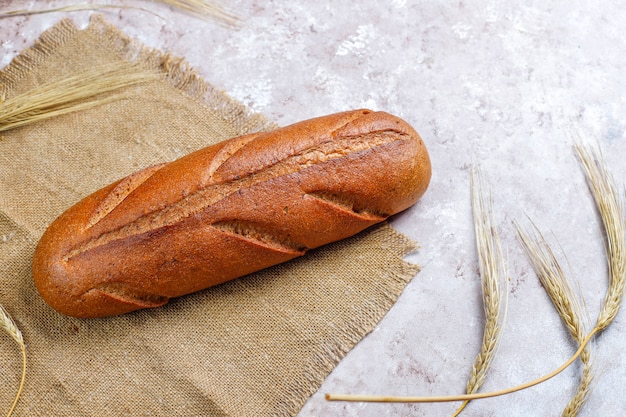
point(228, 210)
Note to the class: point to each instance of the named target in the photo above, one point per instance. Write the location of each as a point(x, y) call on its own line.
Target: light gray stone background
point(501, 84)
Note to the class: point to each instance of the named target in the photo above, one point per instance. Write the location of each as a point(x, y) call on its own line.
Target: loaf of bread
point(228, 210)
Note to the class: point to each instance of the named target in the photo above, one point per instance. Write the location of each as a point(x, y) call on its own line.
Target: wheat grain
point(70, 94)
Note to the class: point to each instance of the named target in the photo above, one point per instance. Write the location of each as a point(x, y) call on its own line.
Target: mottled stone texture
point(505, 85)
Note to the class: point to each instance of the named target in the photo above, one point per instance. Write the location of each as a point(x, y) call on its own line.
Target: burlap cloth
point(257, 346)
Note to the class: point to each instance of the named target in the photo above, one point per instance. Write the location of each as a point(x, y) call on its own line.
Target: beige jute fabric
point(257, 346)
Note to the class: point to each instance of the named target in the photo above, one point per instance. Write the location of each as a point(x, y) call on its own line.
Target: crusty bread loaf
point(228, 210)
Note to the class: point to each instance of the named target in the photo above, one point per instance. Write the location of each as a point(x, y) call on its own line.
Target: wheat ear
point(9, 326)
point(70, 94)
point(493, 278)
point(566, 303)
point(611, 209)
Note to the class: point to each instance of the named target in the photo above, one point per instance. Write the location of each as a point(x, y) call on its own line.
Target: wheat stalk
point(567, 304)
point(9, 326)
point(463, 397)
point(493, 275)
point(198, 8)
point(70, 94)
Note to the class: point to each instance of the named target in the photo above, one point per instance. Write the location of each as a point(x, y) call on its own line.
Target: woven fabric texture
point(257, 346)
